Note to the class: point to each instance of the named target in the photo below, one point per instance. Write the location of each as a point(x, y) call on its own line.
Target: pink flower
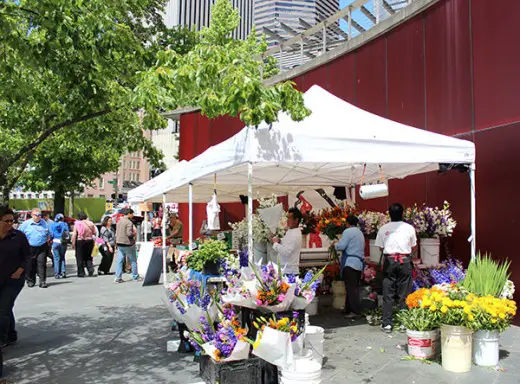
point(281, 298)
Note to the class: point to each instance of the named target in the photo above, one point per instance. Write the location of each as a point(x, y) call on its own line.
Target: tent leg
point(473, 198)
point(164, 248)
point(353, 194)
point(250, 212)
point(190, 202)
point(146, 225)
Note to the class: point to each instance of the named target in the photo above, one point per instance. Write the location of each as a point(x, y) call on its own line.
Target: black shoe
point(43, 284)
point(81, 275)
point(91, 273)
point(100, 273)
point(9, 341)
point(30, 284)
point(57, 276)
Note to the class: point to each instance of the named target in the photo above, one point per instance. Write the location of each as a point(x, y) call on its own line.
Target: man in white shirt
point(397, 239)
point(289, 247)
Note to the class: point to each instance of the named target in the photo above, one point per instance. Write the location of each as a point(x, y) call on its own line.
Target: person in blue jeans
point(60, 235)
point(125, 240)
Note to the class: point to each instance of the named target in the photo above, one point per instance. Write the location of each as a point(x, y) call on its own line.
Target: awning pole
point(473, 198)
point(146, 223)
point(190, 203)
point(250, 211)
point(164, 247)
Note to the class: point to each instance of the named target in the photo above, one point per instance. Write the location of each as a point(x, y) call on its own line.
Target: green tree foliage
point(74, 73)
point(220, 75)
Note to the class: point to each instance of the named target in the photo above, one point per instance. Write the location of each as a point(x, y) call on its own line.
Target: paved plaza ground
point(91, 330)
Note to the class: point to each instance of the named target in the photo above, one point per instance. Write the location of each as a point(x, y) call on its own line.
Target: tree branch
point(45, 134)
point(11, 183)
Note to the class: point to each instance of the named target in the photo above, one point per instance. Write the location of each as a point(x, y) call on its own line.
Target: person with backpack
point(60, 236)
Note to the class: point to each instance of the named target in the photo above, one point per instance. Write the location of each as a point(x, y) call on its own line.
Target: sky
point(357, 15)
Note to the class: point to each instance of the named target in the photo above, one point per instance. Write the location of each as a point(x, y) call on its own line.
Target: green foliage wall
point(94, 207)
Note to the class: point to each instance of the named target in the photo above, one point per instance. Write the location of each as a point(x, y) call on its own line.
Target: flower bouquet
point(306, 288)
point(274, 340)
point(434, 222)
point(450, 271)
point(271, 290)
point(370, 222)
point(223, 343)
point(332, 221)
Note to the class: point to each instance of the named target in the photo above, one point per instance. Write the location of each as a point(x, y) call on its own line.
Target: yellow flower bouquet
point(491, 313)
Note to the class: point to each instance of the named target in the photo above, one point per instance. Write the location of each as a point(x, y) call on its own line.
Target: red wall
point(453, 70)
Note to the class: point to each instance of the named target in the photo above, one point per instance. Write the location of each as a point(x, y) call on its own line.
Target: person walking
point(397, 239)
point(46, 216)
point(37, 233)
point(83, 243)
point(156, 225)
point(15, 255)
point(125, 240)
point(352, 247)
point(60, 237)
point(108, 247)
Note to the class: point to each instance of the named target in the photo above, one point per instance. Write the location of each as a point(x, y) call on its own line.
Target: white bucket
point(312, 308)
point(339, 294)
point(307, 322)
point(306, 355)
point(375, 252)
point(456, 348)
point(304, 371)
point(314, 340)
point(430, 251)
point(423, 344)
point(486, 348)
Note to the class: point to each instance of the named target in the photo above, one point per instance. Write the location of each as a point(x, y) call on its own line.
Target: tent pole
point(250, 211)
point(353, 194)
point(164, 247)
point(146, 223)
point(473, 198)
point(190, 202)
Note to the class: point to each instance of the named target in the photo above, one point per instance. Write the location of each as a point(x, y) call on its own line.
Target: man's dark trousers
point(37, 262)
point(397, 282)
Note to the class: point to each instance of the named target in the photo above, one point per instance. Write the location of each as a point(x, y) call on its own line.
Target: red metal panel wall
point(371, 77)
point(496, 31)
point(452, 70)
point(447, 65)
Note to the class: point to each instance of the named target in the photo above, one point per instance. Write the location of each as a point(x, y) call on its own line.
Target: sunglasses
point(9, 221)
point(37, 214)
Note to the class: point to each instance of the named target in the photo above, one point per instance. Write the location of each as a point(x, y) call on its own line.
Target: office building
point(297, 15)
point(197, 13)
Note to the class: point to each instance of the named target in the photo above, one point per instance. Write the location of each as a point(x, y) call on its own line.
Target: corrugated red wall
point(453, 70)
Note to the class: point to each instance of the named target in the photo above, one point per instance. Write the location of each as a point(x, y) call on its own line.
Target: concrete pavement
point(91, 330)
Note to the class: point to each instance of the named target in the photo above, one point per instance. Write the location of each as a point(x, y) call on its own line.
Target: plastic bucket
point(423, 344)
point(456, 343)
point(486, 348)
point(314, 340)
point(303, 371)
point(375, 252)
point(312, 308)
point(430, 251)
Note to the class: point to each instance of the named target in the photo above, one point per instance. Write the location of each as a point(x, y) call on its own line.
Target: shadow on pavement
point(122, 345)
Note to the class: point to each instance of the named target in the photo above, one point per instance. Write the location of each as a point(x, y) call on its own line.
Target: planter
point(339, 294)
point(251, 371)
point(423, 344)
point(456, 343)
point(314, 340)
point(260, 252)
point(486, 348)
point(312, 308)
point(211, 268)
point(302, 372)
point(430, 251)
point(375, 252)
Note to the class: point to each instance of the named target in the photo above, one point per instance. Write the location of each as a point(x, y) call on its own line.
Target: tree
point(221, 75)
point(87, 67)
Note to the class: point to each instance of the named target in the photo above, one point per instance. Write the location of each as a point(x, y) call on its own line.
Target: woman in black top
point(108, 247)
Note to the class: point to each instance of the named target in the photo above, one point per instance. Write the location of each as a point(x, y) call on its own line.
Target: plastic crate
point(250, 371)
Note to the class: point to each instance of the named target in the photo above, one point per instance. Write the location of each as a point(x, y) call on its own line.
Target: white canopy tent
point(333, 146)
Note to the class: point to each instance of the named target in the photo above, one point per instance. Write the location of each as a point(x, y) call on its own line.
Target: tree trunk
point(59, 201)
point(4, 185)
